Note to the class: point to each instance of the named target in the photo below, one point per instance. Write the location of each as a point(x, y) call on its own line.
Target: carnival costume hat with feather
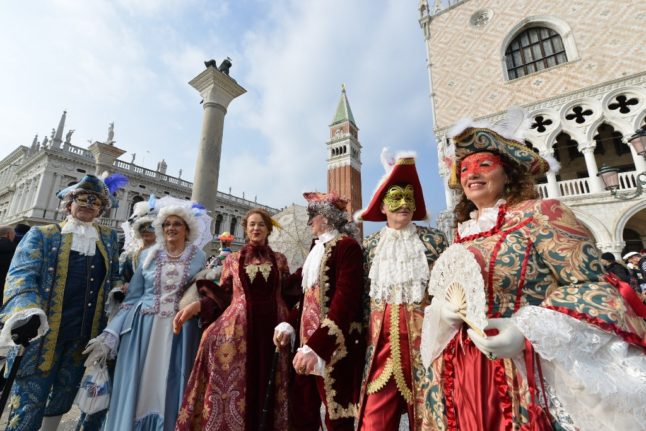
point(400, 170)
point(103, 188)
point(505, 137)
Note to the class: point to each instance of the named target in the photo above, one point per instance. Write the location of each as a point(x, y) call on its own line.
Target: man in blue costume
point(59, 280)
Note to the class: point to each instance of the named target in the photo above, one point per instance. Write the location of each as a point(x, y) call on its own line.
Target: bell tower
point(344, 155)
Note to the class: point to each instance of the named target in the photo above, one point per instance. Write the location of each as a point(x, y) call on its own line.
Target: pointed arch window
point(533, 50)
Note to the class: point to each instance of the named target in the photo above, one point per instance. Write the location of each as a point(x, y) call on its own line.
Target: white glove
point(508, 343)
point(449, 313)
point(99, 349)
point(284, 333)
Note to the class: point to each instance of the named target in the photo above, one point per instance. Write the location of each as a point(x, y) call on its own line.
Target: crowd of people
point(239, 342)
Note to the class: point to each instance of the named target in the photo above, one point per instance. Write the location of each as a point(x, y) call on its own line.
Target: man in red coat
point(330, 357)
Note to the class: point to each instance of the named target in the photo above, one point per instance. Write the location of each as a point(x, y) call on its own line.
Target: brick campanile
point(344, 156)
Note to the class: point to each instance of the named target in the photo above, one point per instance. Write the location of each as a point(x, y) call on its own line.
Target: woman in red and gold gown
point(227, 387)
point(563, 350)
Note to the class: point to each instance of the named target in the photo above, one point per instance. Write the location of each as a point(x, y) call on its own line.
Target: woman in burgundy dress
point(226, 390)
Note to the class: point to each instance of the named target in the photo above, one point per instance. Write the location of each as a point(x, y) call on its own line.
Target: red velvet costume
point(330, 319)
point(227, 386)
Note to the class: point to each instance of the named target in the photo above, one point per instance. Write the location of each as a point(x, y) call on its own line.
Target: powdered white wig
point(185, 214)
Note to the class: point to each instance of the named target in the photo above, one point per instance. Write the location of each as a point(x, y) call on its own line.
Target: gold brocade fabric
point(394, 367)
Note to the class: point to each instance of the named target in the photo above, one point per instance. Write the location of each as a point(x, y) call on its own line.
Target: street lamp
point(610, 176)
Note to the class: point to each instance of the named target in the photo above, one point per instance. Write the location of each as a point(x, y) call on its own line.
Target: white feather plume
point(387, 159)
point(514, 125)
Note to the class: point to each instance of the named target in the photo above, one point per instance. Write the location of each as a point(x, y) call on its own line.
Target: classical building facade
point(576, 66)
point(344, 155)
point(31, 176)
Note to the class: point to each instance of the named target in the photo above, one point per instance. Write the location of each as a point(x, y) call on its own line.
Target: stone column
point(640, 163)
point(217, 91)
point(591, 164)
point(104, 157)
point(552, 185)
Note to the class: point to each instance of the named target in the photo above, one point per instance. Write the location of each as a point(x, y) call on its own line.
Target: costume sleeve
point(135, 293)
point(215, 301)
point(22, 297)
point(329, 339)
point(589, 340)
point(566, 249)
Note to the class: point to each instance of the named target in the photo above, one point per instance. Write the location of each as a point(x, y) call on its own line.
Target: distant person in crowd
point(7, 249)
point(21, 230)
point(636, 264)
point(56, 289)
point(228, 385)
point(144, 237)
point(328, 323)
point(612, 266)
point(153, 363)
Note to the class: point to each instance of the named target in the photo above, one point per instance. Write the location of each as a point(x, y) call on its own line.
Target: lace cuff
point(597, 377)
point(286, 328)
point(319, 368)
point(19, 317)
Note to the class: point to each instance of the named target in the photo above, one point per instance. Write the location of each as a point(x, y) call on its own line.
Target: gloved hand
point(23, 331)
point(283, 335)
point(99, 349)
point(449, 313)
point(508, 343)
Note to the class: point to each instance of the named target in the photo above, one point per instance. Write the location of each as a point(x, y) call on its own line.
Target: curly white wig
point(182, 212)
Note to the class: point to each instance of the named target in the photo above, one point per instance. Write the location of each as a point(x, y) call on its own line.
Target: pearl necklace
point(175, 256)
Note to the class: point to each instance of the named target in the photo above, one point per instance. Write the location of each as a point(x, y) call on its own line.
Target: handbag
point(94, 393)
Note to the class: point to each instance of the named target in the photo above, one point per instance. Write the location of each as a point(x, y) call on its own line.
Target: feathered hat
point(504, 137)
point(104, 188)
point(400, 170)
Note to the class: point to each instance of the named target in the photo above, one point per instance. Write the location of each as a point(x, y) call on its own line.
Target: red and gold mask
point(479, 163)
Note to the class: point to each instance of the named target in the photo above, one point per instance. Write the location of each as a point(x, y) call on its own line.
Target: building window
point(533, 50)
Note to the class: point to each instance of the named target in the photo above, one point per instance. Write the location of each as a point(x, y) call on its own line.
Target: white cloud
point(130, 62)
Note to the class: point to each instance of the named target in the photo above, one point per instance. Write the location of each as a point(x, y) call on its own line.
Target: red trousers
point(383, 410)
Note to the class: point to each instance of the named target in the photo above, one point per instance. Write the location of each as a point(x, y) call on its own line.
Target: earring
point(507, 189)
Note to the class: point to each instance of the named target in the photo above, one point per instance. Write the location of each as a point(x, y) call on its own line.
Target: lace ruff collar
point(399, 272)
point(84, 236)
point(486, 221)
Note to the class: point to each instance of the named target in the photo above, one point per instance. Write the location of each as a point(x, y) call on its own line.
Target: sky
point(129, 62)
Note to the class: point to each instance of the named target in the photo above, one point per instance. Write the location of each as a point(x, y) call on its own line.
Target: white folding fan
point(456, 277)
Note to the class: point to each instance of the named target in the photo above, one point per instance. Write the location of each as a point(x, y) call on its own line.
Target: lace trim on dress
point(399, 272)
point(84, 236)
point(481, 221)
point(594, 376)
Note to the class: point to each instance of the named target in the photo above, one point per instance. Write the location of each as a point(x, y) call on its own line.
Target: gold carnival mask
point(397, 196)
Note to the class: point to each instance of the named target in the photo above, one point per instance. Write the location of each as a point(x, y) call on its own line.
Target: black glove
point(119, 296)
point(26, 330)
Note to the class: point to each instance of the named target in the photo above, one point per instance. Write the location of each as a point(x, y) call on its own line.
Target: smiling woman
point(153, 363)
point(549, 310)
point(226, 390)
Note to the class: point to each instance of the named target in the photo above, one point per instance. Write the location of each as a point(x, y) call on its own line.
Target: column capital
point(216, 87)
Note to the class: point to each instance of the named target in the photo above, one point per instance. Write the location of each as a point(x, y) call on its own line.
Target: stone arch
point(601, 233)
point(627, 215)
point(554, 23)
